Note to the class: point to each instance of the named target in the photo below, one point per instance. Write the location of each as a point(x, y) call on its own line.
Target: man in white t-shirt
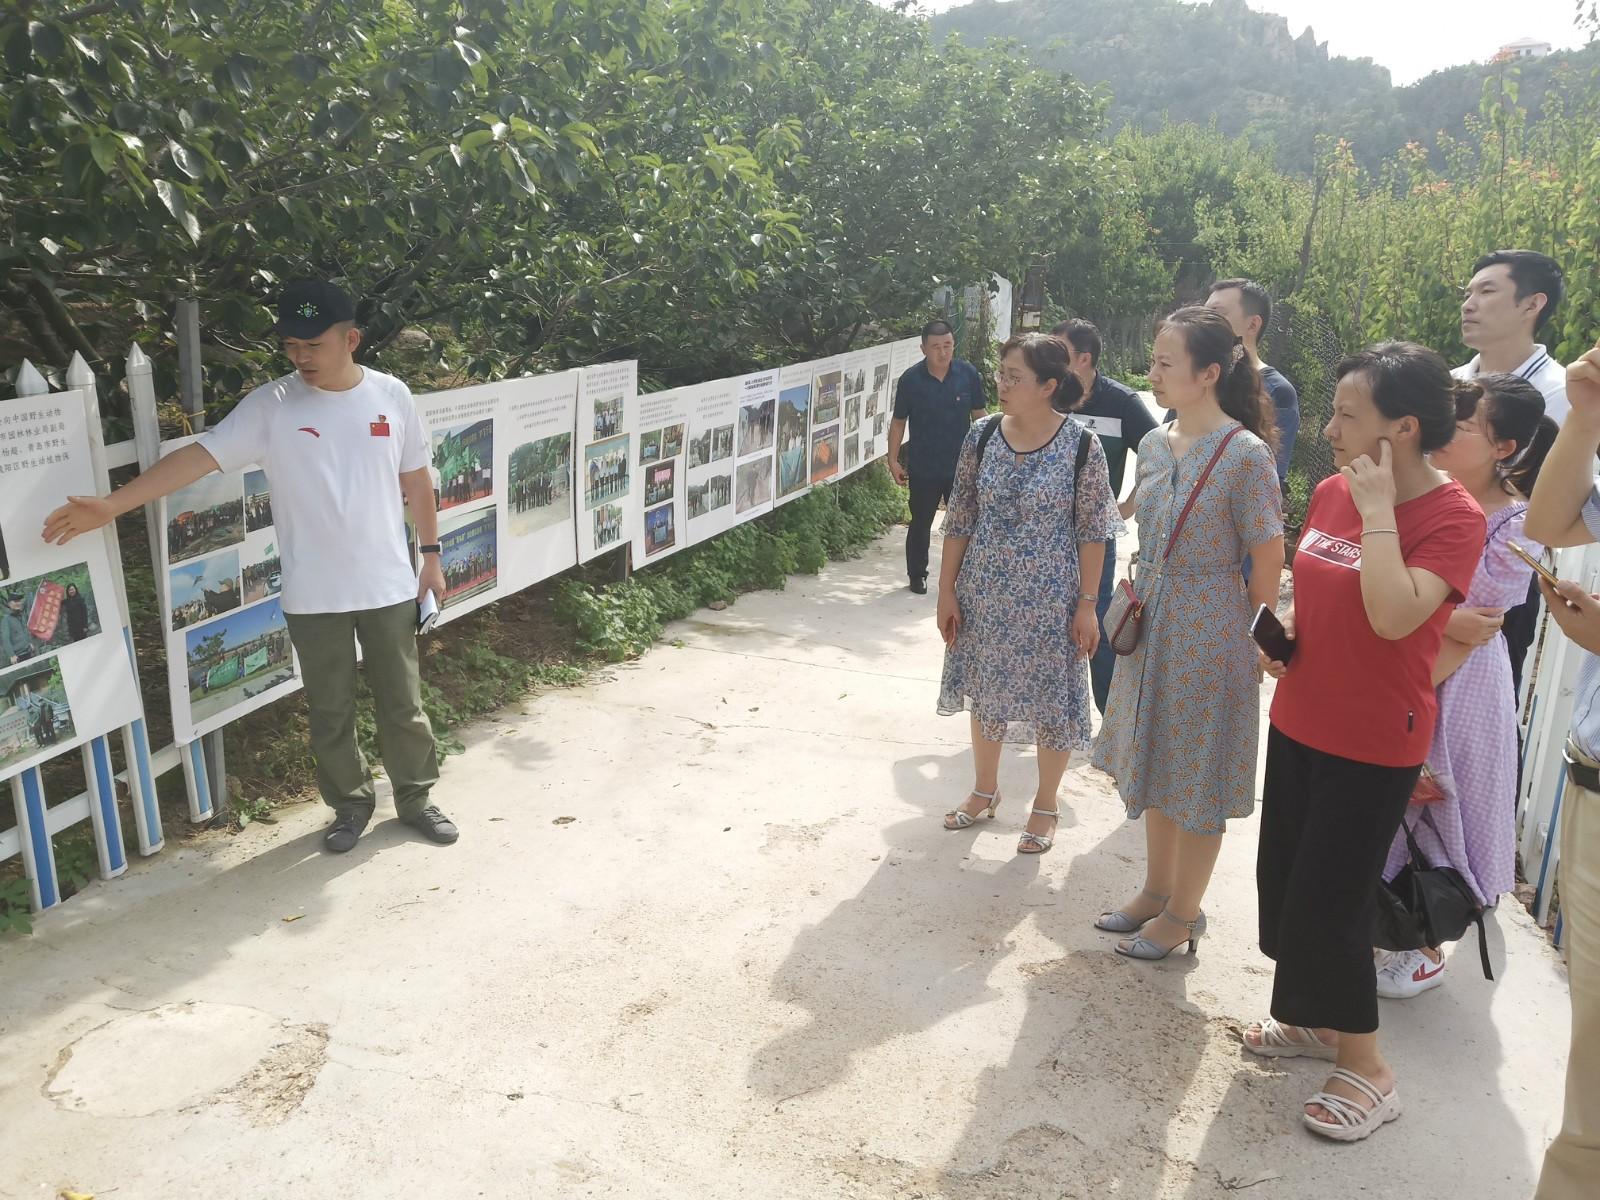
point(1511, 296)
point(345, 454)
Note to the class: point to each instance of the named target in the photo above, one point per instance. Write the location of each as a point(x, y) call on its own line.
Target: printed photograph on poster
point(608, 417)
point(756, 425)
point(793, 404)
point(712, 446)
point(236, 657)
point(45, 612)
point(855, 382)
point(880, 382)
point(672, 441)
point(877, 425)
point(35, 713)
point(872, 408)
point(469, 555)
point(852, 452)
point(204, 589)
point(869, 450)
point(205, 516)
point(463, 457)
point(658, 482)
point(660, 532)
point(538, 489)
point(263, 575)
point(709, 495)
point(824, 454)
point(605, 471)
point(607, 525)
point(825, 404)
point(754, 484)
point(649, 447)
point(257, 501)
point(852, 413)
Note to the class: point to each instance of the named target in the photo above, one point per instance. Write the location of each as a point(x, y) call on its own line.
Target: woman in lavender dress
point(1496, 455)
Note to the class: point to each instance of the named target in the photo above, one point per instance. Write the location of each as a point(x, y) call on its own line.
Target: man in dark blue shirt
point(939, 396)
point(1248, 309)
point(1116, 415)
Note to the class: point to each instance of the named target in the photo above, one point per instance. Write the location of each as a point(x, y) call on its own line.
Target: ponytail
point(1514, 412)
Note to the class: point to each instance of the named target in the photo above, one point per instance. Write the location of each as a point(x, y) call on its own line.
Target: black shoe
point(919, 584)
point(435, 826)
point(344, 831)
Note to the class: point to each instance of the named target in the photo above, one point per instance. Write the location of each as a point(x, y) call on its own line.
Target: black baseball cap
point(310, 307)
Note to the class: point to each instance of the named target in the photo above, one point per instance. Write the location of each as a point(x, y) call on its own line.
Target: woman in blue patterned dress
point(1184, 714)
point(1022, 531)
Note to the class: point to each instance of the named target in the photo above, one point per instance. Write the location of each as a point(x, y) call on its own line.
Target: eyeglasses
point(1005, 379)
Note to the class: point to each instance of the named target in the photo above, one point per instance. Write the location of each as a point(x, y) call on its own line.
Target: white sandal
point(1351, 1121)
point(1277, 1041)
point(966, 820)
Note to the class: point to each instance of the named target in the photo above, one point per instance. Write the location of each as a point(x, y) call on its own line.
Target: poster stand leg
point(38, 855)
point(142, 788)
point(103, 815)
point(197, 781)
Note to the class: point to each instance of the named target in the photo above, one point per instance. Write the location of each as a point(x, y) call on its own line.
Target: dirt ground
point(704, 936)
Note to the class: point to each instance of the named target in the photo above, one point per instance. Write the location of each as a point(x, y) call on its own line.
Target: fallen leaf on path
point(563, 820)
point(296, 917)
point(77, 1196)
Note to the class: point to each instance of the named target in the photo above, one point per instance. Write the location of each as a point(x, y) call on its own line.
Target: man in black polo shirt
point(939, 396)
point(1120, 420)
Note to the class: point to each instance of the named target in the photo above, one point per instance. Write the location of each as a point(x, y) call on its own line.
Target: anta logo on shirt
point(308, 429)
point(1331, 549)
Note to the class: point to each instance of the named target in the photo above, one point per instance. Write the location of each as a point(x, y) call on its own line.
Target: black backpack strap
point(1079, 461)
point(986, 433)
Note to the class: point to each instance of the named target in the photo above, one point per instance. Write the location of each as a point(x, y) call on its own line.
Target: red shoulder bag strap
point(1195, 493)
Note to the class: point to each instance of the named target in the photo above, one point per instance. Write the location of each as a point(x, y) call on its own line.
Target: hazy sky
point(1414, 37)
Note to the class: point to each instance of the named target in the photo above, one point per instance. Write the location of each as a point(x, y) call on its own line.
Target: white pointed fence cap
point(29, 381)
point(78, 373)
point(138, 364)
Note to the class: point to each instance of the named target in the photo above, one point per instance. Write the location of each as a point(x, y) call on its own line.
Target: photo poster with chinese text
point(607, 470)
point(65, 675)
point(755, 436)
point(228, 649)
point(827, 419)
point(866, 382)
point(465, 428)
point(538, 536)
point(903, 355)
point(710, 458)
point(660, 452)
point(794, 432)
point(878, 407)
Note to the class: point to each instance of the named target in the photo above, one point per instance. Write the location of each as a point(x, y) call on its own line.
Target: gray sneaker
point(434, 825)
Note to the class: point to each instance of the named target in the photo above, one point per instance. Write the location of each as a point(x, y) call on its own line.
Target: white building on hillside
point(1523, 48)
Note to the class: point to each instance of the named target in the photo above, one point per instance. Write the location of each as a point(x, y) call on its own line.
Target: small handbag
point(1124, 621)
point(1425, 905)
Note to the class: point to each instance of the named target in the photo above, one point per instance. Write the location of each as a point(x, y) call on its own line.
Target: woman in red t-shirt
point(1388, 551)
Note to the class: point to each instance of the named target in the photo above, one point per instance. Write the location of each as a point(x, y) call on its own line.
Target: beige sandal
point(1280, 1041)
point(958, 818)
point(1352, 1121)
point(1039, 843)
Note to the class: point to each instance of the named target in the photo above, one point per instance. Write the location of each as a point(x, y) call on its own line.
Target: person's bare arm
point(1398, 598)
point(1266, 574)
point(1566, 481)
point(1451, 655)
point(83, 514)
point(417, 487)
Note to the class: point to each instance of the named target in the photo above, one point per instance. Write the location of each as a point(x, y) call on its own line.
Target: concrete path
point(703, 936)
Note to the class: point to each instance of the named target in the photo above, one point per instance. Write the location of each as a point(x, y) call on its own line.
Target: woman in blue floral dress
point(1022, 531)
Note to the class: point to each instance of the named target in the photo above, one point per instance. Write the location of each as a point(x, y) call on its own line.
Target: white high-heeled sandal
point(966, 820)
point(1038, 843)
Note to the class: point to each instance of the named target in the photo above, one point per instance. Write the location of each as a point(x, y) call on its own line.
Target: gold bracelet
point(1364, 532)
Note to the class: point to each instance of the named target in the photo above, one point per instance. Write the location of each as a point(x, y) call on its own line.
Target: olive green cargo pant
point(326, 644)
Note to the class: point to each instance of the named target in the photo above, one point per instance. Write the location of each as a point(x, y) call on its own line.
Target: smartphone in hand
point(1539, 568)
point(1271, 636)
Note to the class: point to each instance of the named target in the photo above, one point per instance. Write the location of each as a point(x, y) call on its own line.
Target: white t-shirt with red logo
point(1348, 691)
point(333, 461)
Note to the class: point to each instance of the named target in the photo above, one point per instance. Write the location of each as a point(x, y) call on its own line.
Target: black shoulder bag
point(1425, 905)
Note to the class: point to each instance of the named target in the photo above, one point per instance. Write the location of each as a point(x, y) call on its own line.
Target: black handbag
point(1425, 905)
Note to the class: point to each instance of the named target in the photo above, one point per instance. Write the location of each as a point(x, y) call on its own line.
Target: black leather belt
point(1583, 775)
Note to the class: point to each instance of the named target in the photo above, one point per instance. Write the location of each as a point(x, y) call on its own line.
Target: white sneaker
point(1409, 973)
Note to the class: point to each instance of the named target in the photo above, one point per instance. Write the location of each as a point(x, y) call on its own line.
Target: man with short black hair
point(1116, 415)
point(346, 453)
point(939, 397)
point(1511, 295)
point(1248, 309)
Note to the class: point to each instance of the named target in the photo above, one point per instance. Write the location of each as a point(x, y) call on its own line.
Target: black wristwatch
point(430, 548)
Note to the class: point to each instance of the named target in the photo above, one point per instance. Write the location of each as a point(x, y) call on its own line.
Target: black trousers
point(1519, 626)
point(1326, 826)
point(926, 496)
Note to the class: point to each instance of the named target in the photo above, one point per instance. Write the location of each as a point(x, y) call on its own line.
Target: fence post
point(192, 394)
point(135, 740)
point(27, 787)
point(147, 442)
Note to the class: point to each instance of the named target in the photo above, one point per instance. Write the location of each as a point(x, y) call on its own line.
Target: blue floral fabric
point(1014, 665)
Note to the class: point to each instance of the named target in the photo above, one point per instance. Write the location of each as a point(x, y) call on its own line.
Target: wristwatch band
point(430, 548)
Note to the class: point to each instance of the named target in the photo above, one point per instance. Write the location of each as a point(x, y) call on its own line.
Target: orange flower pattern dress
point(1184, 715)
